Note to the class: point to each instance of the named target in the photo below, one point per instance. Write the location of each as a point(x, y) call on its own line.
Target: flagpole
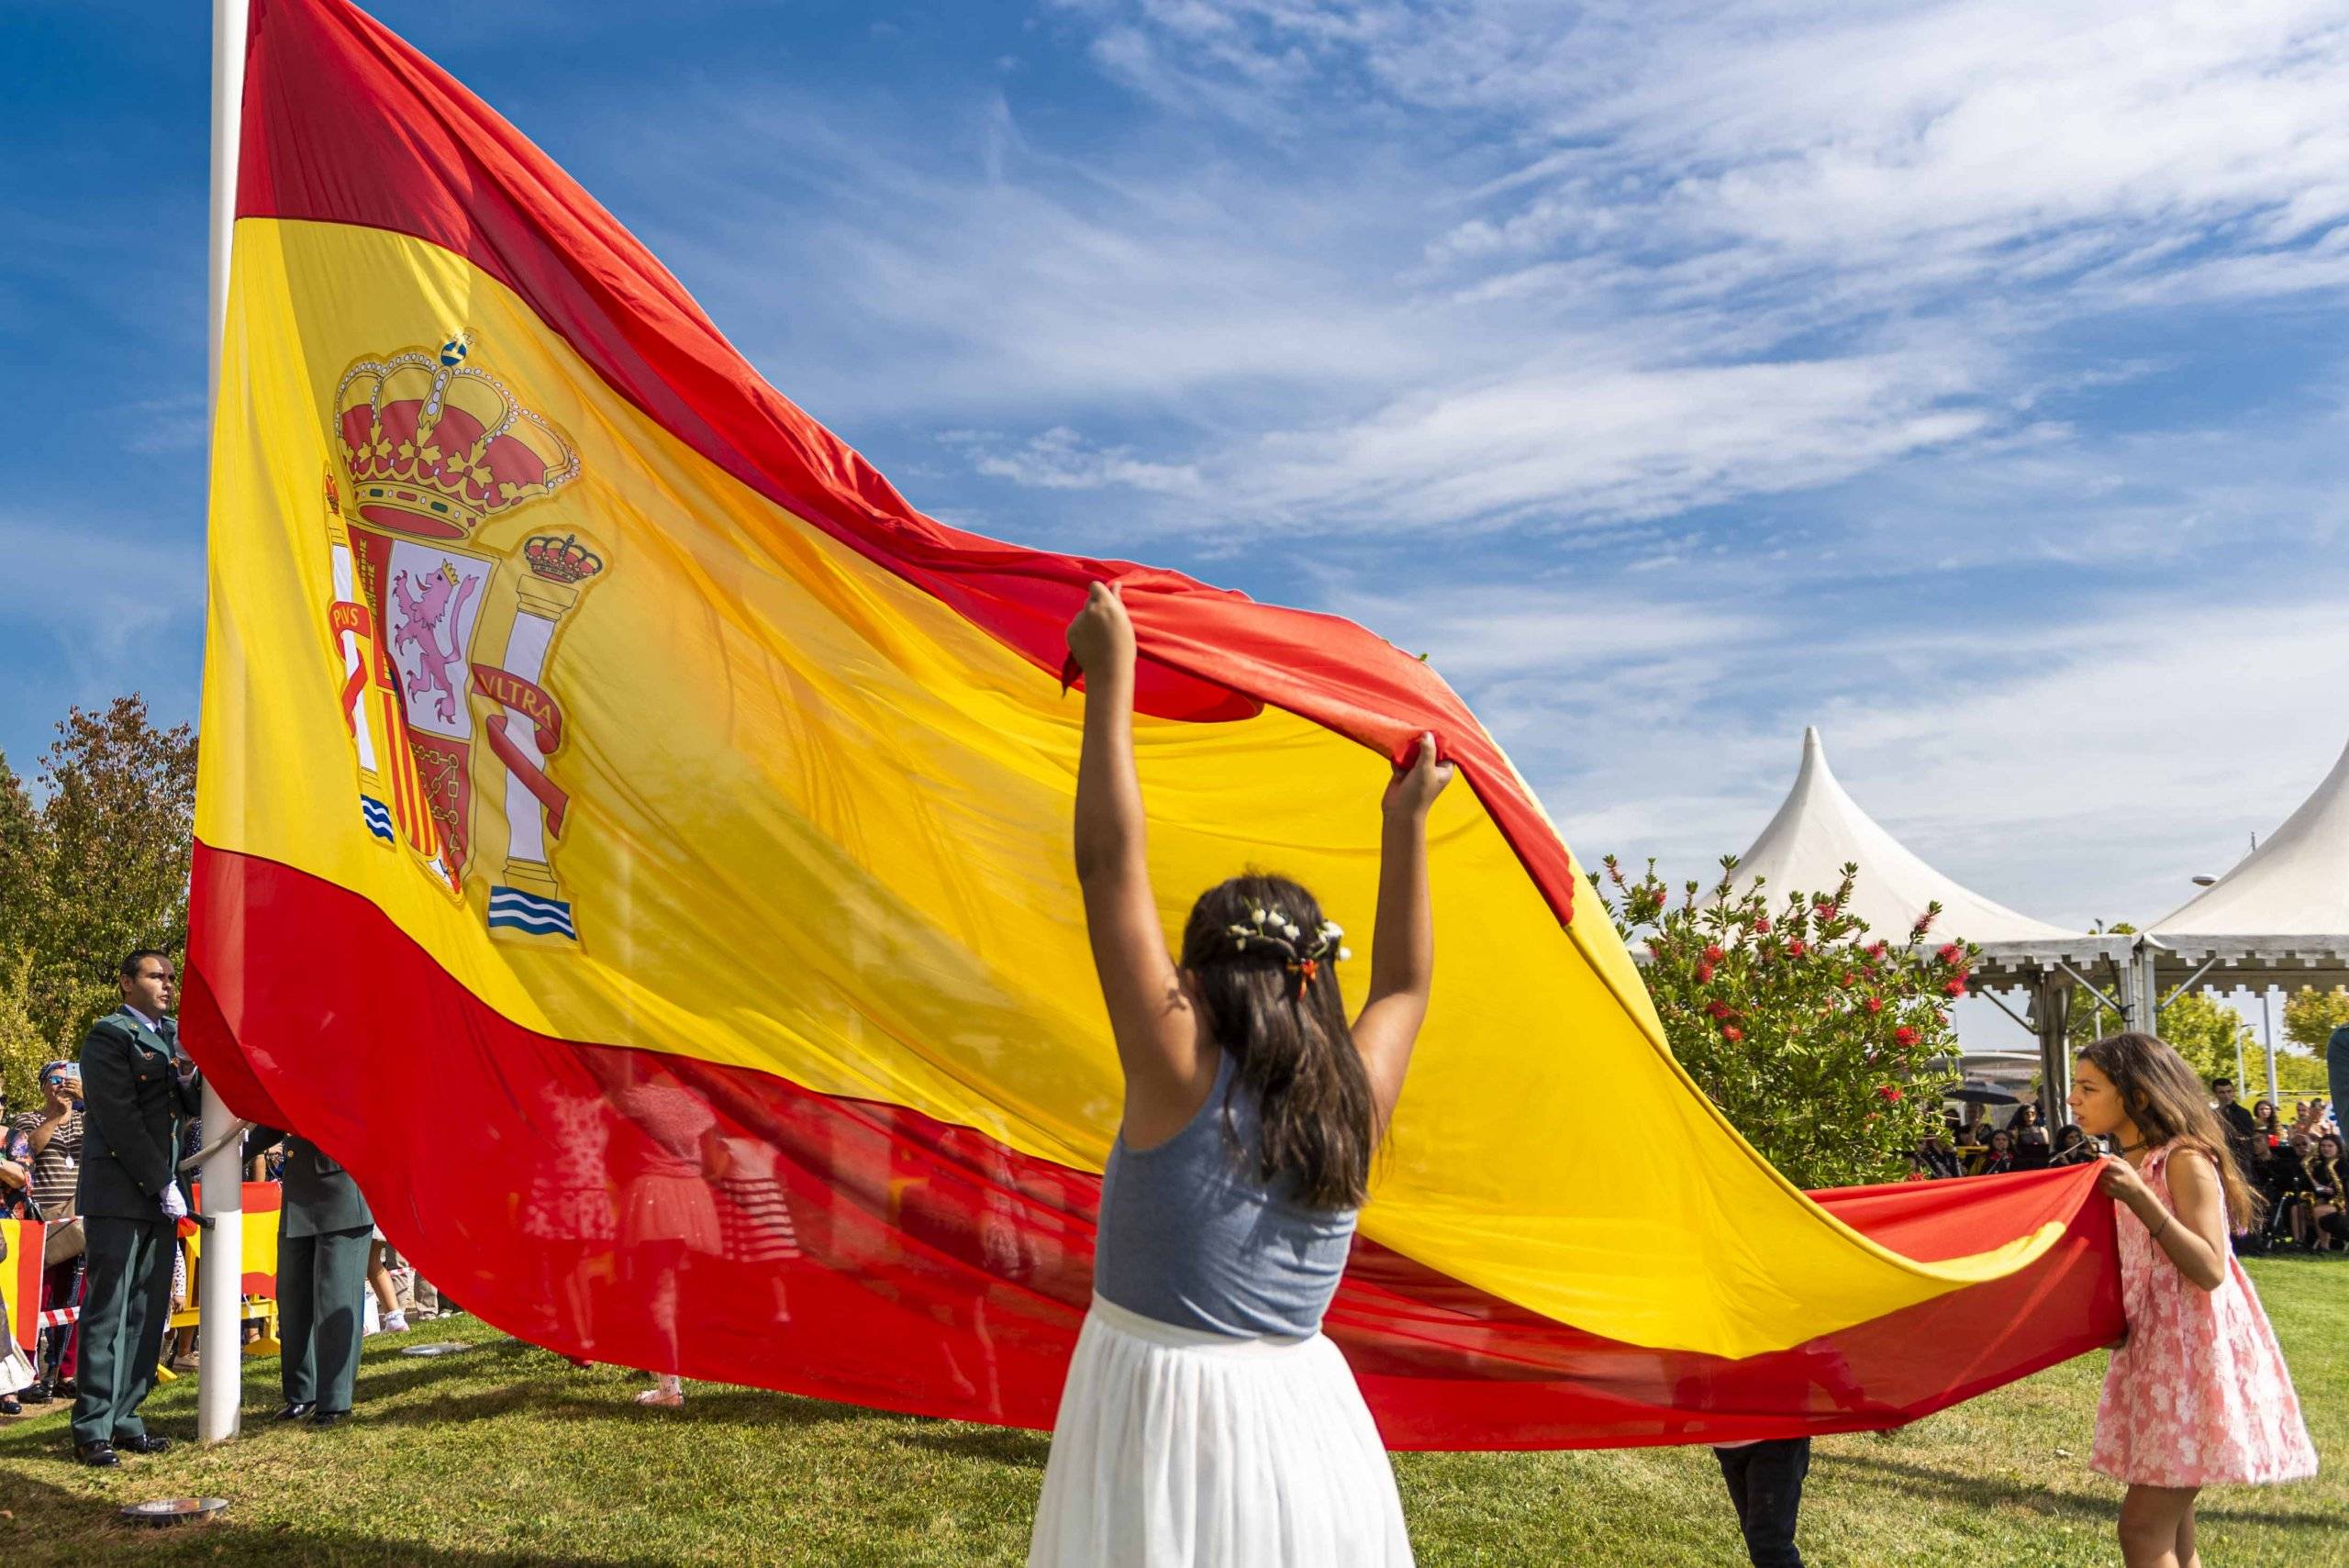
point(220, 1316)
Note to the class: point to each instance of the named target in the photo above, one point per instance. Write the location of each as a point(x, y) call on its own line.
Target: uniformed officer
point(323, 1229)
point(136, 1089)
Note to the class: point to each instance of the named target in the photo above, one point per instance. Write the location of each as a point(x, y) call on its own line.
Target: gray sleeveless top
point(1190, 1236)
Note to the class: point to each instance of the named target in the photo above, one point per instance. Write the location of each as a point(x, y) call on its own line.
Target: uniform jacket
point(133, 1106)
point(319, 1196)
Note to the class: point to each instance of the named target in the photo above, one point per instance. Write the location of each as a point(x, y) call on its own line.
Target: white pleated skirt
point(1177, 1449)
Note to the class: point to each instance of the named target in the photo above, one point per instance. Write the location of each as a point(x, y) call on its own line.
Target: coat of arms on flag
point(811, 725)
point(438, 459)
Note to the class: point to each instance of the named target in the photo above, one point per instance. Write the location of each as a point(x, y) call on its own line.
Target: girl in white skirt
point(1206, 1422)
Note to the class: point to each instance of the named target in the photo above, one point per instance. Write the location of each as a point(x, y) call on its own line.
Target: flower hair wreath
point(1271, 931)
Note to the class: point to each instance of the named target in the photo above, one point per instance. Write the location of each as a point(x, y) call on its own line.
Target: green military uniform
point(135, 1102)
point(323, 1229)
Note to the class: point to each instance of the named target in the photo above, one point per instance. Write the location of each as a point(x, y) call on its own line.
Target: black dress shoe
point(9, 1405)
point(98, 1456)
point(145, 1443)
point(328, 1418)
point(37, 1393)
point(296, 1410)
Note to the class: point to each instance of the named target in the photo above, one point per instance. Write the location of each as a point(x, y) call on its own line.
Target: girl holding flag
point(1205, 1420)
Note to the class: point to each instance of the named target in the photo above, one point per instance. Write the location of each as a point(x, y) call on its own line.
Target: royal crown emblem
point(437, 458)
point(563, 560)
point(435, 447)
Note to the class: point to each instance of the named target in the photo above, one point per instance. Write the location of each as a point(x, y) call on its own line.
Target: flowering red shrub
point(1824, 1045)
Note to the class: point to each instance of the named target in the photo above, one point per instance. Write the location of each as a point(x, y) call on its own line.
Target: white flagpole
point(220, 1316)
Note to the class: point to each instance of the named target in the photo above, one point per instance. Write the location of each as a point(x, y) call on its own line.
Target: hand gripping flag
point(635, 842)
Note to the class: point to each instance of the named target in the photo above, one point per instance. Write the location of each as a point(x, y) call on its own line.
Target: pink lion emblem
point(422, 617)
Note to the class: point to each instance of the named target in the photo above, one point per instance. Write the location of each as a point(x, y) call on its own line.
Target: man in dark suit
point(136, 1090)
point(2236, 1123)
point(323, 1229)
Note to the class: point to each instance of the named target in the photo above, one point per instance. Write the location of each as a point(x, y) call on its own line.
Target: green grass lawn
point(505, 1455)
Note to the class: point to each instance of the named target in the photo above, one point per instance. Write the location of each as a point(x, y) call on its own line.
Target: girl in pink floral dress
point(2198, 1393)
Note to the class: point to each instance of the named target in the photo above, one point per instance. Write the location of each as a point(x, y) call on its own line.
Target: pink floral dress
point(2199, 1394)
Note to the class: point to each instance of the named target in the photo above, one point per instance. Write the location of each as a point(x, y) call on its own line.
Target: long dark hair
point(2167, 1102)
point(1285, 1025)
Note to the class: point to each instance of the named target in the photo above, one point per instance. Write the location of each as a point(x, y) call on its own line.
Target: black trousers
point(1765, 1486)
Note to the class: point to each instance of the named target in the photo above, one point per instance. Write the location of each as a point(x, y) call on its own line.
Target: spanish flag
point(636, 841)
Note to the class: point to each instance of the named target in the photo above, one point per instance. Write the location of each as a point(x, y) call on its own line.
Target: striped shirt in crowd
point(57, 1167)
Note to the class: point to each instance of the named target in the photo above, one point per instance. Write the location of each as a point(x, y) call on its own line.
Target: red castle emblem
point(438, 456)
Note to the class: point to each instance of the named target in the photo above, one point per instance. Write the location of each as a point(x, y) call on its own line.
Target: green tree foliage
point(2298, 1076)
point(23, 1047)
point(1821, 1043)
point(2310, 1015)
point(94, 861)
point(2205, 1031)
point(22, 879)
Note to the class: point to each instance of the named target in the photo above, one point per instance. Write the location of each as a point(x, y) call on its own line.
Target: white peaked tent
point(2279, 918)
point(1821, 828)
point(2291, 887)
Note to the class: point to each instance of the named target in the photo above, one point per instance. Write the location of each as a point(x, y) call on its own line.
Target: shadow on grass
point(1014, 1446)
point(55, 1524)
point(1983, 1492)
point(600, 1400)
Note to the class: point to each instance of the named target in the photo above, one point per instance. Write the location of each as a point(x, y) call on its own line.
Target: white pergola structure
point(1820, 827)
point(2279, 918)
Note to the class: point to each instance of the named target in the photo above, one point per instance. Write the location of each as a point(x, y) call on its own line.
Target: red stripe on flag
point(932, 1270)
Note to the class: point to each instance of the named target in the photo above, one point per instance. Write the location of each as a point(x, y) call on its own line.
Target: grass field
point(504, 1455)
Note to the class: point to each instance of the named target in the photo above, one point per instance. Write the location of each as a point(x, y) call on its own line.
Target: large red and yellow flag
point(634, 839)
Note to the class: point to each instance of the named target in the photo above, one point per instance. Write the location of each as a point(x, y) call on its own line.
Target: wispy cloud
point(1060, 460)
point(1966, 377)
point(84, 610)
point(1678, 255)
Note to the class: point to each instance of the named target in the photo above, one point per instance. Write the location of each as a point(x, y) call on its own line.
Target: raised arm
point(1402, 948)
point(1155, 1027)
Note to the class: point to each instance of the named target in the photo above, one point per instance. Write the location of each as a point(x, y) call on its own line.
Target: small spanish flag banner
point(635, 842)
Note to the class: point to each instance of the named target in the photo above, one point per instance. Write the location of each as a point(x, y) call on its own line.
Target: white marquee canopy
point(2281, 915)
point(1821, 828)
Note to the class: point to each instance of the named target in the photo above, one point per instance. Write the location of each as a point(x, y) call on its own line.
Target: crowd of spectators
point(1982, 1148)
point(40, 1154)
point(2296, 1166)
point(42, 1161)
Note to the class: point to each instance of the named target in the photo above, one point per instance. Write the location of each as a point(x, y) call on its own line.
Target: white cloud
point(1603, 443)
point(98, 605)
point(1059, 459)
point(2083, 769)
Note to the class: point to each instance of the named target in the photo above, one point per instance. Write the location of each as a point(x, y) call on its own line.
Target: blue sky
point(1970, 380)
